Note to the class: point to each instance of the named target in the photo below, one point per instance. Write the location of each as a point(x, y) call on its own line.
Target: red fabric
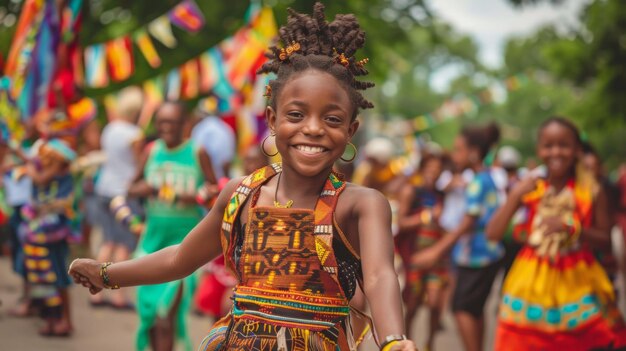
point(64, 80)
point(209, 295)
point(596, 336)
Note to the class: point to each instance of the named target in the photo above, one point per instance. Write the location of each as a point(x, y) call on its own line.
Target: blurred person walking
point(170, 173)
point(419, 211)
point(122, 142)
point(214, 136)
point(477, 259)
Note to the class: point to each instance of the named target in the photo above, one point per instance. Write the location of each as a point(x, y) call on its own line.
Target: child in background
point(45, 232)
point(418, 218)
point(556, 296)
point(477, 259)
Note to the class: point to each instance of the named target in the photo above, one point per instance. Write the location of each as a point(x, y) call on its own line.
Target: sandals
point(127, 306)
point(99, 303)
point(50, 331)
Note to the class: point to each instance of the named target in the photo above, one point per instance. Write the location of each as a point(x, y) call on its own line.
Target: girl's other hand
point(524, 186)
point(404, 345)
point(86, 272)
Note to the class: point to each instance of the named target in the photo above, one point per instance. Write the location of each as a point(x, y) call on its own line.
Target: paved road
point(104, 330)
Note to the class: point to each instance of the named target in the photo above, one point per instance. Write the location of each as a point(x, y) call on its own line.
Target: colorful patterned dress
point(424, 203)
point(296, 274)
point(44, 232)
point(556, 296)
point(167, 224)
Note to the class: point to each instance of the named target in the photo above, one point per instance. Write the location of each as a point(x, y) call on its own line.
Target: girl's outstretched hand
point(404, 345)
point(86, 272)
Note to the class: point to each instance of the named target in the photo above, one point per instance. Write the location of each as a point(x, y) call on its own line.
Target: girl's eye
point(295, 114)
point(334, 119)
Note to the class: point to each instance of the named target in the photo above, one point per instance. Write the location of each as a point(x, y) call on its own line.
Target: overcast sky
point(491, 22)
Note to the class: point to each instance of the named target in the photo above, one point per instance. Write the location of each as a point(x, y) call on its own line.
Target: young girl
point(418, 220)
point(297, 237)
point(556, 296)
point(45, 231)
point(476, 258)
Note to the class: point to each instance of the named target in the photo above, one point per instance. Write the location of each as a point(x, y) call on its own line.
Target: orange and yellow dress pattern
point(556, 295)
point(293, 283)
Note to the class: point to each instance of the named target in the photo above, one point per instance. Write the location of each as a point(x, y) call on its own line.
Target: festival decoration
point(147, 48)
point(161, 30)
point(187, 16)
point(462, 105)
point(120, 58)
point(95, 66)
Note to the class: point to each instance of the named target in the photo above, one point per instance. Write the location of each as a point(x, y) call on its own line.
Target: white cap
point(380, 149)
point(509, 157)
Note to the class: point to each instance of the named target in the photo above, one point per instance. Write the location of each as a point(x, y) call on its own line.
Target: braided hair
point(327, 47)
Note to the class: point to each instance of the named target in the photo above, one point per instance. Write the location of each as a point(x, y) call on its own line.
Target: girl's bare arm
point(200, 246)
point(381, 285)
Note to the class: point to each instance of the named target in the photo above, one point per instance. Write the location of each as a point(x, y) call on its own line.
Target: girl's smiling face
point(558, 148)
point(312, 121)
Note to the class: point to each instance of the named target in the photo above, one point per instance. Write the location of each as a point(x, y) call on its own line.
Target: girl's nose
point(313, 126)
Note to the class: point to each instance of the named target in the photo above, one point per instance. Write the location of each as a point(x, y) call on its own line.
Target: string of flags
point(114, 60)
point(227, 70)
point(462, 105)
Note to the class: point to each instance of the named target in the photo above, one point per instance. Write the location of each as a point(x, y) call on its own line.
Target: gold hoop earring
point(353, 155)
point(263, 146)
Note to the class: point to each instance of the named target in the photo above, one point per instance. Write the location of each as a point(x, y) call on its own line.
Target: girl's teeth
point(310, 148)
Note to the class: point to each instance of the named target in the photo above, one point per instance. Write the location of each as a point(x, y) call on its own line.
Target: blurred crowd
point(119, 191)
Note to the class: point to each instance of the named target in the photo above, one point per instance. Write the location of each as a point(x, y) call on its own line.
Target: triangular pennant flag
point(222, 87)
point(147, 48)
point(95, 66)
point(208, 72)
point(187, 16)
point(250, 48)
point(153, 96)
point(172, 85)
point(265, 24)
point(120, 58)
point(189, 79)
point(161, 29)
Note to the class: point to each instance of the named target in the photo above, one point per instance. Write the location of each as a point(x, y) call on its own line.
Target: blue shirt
point(482, 200)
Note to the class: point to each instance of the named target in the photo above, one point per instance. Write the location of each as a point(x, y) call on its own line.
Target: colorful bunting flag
point(187, 16)
point(172, 85)
point(95, 66)
point(161, 29)
point(189, 73)
point(153, 96)
point(250, 48)
point(147, 48)
point(119, 53)
point(208, 72)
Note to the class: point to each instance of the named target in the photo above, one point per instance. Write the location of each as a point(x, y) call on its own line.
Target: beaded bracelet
point(105, 276)
point(391, 340)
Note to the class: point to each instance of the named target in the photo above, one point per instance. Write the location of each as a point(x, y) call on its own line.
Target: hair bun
point(310, 41)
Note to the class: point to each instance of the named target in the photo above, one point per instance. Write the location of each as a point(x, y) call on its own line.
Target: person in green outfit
point(171, 171)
